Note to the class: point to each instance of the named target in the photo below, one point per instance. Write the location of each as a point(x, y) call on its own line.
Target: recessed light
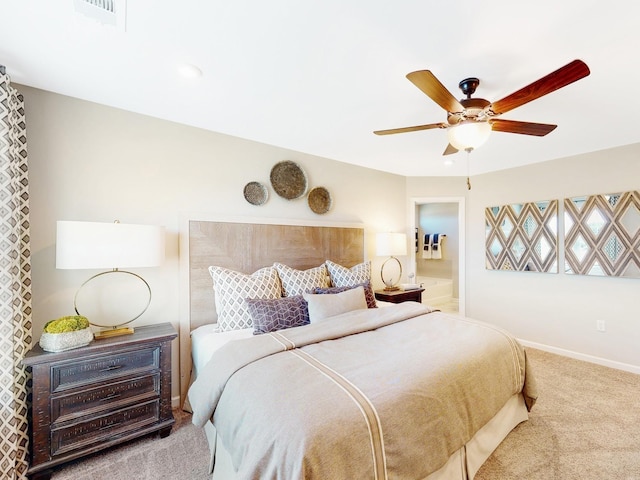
point(449, 161)
point(188, 70)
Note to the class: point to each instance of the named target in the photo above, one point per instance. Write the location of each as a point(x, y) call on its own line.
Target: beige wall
point(556, 310)
point(95, 163)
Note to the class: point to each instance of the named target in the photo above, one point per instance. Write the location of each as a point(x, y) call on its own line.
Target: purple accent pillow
point(271, 314)
point(368, 292)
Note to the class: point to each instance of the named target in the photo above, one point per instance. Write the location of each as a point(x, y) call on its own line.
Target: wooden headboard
point(246, 246)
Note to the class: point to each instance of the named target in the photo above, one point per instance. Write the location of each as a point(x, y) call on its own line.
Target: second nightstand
point(399, 296)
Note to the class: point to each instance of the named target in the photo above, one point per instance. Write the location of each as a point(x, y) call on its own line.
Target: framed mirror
point(602, 235)
point(522, 237)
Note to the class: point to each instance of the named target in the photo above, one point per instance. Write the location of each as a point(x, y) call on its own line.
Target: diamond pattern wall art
point(523, 237)
point(602, 235)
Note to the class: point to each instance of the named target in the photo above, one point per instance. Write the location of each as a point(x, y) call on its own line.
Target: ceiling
point(318, 76)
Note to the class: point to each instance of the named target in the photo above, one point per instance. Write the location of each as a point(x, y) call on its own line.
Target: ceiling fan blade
point(431, 86)
point(411, 129)
point(450, 149)
point(524, 128)
point(560, 78)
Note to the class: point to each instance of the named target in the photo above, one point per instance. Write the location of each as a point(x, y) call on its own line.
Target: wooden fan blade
point(450, 149)
point(524, 128)
point(560, 78)
point(431, 86)
point(411, 129)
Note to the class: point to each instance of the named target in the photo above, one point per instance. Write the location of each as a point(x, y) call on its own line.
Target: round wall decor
point(288, 179)
point(256, 193)
point(319, 200)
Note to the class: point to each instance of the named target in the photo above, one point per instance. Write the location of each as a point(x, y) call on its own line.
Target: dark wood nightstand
point(100, 395)
point(399, 296)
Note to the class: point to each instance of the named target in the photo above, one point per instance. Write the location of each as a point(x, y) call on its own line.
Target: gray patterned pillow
point(297, 282)
point(346, 277)
point(270, 315)
point(231, 290)
point(368, 292)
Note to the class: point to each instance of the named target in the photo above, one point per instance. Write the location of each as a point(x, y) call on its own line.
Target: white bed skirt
point(462, 465)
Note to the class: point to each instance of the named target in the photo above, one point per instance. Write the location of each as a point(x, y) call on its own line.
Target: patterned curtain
point(15, 284)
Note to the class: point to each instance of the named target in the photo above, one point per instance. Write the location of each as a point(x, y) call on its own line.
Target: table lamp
point(96, 245)
point(391, 244)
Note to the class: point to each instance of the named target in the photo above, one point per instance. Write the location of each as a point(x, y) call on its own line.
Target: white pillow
point(347, 277)
point(325, 306)
point(231, 288)
point(297, 282)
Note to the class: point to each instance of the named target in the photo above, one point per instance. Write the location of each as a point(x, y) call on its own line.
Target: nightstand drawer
point(73, 405)
point(74, 374)
point(100, 428)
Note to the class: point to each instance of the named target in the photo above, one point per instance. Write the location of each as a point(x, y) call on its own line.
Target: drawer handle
point(110, 397)
point(111, 367)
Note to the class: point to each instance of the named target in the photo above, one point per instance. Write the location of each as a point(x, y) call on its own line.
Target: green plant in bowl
point(66, 333)
point(69, 323)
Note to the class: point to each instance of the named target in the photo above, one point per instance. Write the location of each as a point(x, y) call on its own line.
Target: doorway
point(443, 274)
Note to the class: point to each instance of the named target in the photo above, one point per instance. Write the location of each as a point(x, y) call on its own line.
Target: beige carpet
point(586, 426)
point(180, 456)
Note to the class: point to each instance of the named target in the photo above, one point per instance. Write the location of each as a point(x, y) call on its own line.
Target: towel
point(426, 250)
point(436, 248)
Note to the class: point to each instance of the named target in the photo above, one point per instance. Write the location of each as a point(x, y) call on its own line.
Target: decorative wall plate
point(288, 179)
point(319, 200)
point(256, 193)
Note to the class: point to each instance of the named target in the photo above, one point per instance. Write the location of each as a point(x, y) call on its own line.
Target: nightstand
point(94, 397)
point(399, 296)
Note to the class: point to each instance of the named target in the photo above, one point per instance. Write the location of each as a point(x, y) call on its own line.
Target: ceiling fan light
point(469, 134)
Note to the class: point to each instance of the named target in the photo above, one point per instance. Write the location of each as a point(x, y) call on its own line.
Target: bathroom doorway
point(441, 266)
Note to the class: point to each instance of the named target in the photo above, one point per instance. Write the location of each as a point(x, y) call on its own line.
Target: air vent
point(107, 5)
point(110, 12)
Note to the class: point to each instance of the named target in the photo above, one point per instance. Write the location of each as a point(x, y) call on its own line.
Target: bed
point(396, 391)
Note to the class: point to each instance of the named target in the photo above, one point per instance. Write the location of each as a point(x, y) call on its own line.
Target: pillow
point(273, 314)
point(324, 306)
point(346, 277)
point(368, 292)
point(297, 282)
point(232, 288)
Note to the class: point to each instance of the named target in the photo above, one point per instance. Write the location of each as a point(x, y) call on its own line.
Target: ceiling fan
point(471, 120)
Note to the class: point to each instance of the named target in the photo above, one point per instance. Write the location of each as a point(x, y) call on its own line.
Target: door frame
point(414, 205)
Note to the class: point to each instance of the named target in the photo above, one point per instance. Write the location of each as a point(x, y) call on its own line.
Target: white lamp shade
point(391, 244)
point(469, 134)
point(108, 245)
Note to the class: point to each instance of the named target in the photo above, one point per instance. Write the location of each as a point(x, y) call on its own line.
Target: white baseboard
point(175, 402)
point(582, 356)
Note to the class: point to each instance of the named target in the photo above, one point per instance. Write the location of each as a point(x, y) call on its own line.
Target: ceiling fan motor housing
point(474, 109)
